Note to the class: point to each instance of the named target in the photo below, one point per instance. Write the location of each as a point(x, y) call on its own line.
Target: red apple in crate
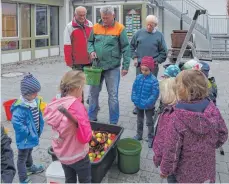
point(96, 159)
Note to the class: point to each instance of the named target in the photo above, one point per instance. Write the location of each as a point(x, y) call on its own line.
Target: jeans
point(112, 79)
point(149, 122)
point(171, 179)
point(81, 168)
point(154, 72)
point(24, 160)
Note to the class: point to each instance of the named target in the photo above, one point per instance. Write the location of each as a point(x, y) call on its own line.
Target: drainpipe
point(163, 20)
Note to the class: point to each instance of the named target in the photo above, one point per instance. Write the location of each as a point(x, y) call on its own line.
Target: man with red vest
point(76, 35)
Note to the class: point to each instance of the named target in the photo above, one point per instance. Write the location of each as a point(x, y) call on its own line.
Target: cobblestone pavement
point(49, 74)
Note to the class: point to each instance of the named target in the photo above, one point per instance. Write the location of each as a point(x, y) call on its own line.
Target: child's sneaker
point(28, 180)
point(137, 137)
point(34, 169)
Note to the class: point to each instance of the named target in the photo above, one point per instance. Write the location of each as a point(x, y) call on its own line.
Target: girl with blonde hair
point(168, 99)
point(195, 130)
point(70, 142)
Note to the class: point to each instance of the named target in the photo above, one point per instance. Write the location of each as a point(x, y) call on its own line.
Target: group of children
point(190, 126)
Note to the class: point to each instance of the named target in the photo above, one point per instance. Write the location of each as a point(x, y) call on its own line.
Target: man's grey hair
point(80, 8)
point(107, 10)
point(152, 18)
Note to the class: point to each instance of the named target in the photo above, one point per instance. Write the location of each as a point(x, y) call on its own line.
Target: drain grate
point(12, 74)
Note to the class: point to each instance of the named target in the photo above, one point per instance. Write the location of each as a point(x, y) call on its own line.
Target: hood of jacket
point(52, 115)
point(76, 24)
point(198, 116)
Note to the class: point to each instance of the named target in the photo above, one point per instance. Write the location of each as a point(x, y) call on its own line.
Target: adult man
point(108, 42)
point(75, 40)
point(148, 42)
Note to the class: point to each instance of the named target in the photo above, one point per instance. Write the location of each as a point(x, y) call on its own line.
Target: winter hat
point(149, 62)
point(29, 85)
point(203, 67)
point(189, 64)
point(172, 71)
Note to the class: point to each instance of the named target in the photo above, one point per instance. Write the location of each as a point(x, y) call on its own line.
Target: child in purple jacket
point(195, 129)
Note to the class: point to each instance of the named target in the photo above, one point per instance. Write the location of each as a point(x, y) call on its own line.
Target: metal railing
point(211, 24)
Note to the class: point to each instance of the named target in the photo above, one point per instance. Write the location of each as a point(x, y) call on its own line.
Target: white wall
point(171, 22)
point(214, 7)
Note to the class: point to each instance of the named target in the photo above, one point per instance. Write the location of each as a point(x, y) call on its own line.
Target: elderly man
point(148, 42)
point(75, 40)
point(108, 42)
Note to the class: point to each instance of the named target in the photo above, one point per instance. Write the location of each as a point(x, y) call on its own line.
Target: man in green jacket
point(108, 44)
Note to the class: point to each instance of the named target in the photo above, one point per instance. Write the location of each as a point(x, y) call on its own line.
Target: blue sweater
point(144, 43)
point(145, 91)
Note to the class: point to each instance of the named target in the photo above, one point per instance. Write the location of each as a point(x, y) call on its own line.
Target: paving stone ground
point(49, 74)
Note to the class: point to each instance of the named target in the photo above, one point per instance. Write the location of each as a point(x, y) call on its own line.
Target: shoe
point(34, 169)
point(95, 120)
point(87, 101)
point(137, 137)
point(135, 111)
point(28, 180)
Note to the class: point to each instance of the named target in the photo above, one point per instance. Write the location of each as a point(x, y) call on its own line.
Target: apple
point(109, 135)
point(96, 159)
point(99, 156)
point(99, 139)
point(102, 153)
point(91, 154)
point(109, 142)
point(97, 152)
point(98, 135)
point(91, 159)
point(93, 143)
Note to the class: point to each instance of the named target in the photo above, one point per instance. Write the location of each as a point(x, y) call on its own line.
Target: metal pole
point(189, 34)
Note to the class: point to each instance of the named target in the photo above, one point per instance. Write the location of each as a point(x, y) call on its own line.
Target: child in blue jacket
point(28, 125)
point(145, 93)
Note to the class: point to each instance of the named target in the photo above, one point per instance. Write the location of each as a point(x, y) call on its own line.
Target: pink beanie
point(149, 62)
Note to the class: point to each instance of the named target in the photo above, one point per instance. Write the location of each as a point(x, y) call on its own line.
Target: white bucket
point(55, 173)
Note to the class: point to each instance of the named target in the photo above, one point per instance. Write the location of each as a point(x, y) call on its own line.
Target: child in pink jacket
point(195, 130)
point(70, 144)
point(168, 98)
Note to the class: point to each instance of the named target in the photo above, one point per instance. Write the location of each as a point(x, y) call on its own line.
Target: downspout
point(163, 20)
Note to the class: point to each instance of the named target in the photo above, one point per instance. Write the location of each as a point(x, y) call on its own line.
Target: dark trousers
point(82, 169)
point(7, 160)
point(149, 122)
point(171, 179)
point(24, 160)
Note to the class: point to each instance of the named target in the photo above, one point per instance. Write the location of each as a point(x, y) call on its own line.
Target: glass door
point(117, 10)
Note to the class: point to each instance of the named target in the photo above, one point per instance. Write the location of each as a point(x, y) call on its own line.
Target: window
point(42, 42)
point(25, 44)
point(25, 21)
point(9, 20)
point(41, 21)
point(9, 45)
point(54, 25)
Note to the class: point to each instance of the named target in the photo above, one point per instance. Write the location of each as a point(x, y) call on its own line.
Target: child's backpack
point(212, 89)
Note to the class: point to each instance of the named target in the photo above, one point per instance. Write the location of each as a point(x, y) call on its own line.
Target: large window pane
point(41, 20)
point(54, 25)
point(9, 20)
point(25, 20)
point(42, 43)
point(9, 45)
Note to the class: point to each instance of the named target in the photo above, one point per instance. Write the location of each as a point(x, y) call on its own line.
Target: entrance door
point(117, 10)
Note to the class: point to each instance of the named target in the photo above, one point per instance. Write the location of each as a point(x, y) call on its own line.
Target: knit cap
point(189, 64)
point(203, 67)
point(148, 62)
point(29, 85)
point(172, 71)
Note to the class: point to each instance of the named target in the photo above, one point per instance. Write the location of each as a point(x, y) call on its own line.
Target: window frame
point(18, 26)
point(35, 21)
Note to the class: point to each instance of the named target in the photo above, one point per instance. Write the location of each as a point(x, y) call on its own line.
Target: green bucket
point(93, 75)
point(129, 151)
